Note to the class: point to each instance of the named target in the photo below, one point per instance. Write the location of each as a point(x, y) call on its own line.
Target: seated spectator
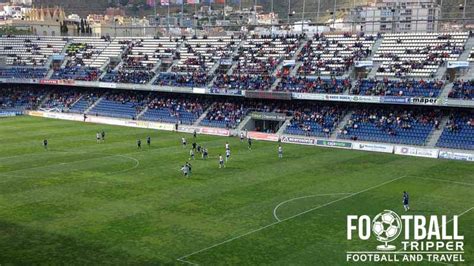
point(318, 85)
point(123, 76)
point(225, 83)
point(77, 73)
point(458, 132)
point(462, 90)
point(225, 115)
point(315, 120)
point(391, 125)
point(387, 87)
point(22, 73)
point(18, 99)
point(194, 79)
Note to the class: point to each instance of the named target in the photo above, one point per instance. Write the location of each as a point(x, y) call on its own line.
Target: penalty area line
point(288, 218)
point(304, 197)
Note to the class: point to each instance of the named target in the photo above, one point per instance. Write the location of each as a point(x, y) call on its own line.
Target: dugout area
point(264, 122)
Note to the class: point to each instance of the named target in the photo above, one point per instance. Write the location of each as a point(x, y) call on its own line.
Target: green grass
point(86, 203)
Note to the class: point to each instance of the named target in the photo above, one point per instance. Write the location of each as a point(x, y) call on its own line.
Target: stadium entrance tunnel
point(265, 122)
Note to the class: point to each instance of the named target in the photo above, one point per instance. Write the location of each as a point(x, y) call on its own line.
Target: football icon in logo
point(386, 226)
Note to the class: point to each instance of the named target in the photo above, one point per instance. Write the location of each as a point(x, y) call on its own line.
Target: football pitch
point(83, 202)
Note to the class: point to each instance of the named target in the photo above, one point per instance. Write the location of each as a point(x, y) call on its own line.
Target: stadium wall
point(302, 140)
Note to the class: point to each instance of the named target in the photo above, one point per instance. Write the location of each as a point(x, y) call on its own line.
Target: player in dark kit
point(250, 143)
point(148, 141)
point(102, 135)
point(194, 145)
point(194, 134)
point(405, 201)
point(45, 144)
point(139, 144)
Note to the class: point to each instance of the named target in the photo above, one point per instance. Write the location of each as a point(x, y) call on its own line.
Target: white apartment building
point(397, 16)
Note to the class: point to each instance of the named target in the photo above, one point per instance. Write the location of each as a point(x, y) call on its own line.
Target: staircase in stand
point(201, 117)
point(294, 57)
point(43, 101)
point(76, 101)
point(50, 73)
point(440, 72)
point(243, 123)
point(373, 71)
point(281, 65)
point(294, 71)
point(375, 48)
point(283, 127)
point(436, 133)
point(142, 112)
point(341, 125)
point(467, 49)
point(235, 54)
point(444, 93)
point(175, 62)
point(157, 73)
point(93, 105)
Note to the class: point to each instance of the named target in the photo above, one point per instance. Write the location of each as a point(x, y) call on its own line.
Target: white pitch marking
point(289, 218)
point(187, 262)
point(446, 180)
point(52, 165)
point(137, 163)
point(304, 197)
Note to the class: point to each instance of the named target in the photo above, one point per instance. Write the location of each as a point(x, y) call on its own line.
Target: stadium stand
point(202, 53)
point(114, 49)
point(77, 73)
point(87, 100)
point(145, 53)
point(260, 55)
point(313, 85)
point(333, 54)
point(30, 50)
point(61, 100)
point(195, 79)
point(18, 100)
point(84, 59)
point(224, 115)
point(237, 83)
point(386, 87)
point(121, 105)
point(178, 110)
point(407, 61)
point(139, 58)
point(392, 126)
point(127, 76)
point(315, 121)
point(23, 73)
point(462, 90)
point(458, 132)
point(87, 51)
point(417, 54)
